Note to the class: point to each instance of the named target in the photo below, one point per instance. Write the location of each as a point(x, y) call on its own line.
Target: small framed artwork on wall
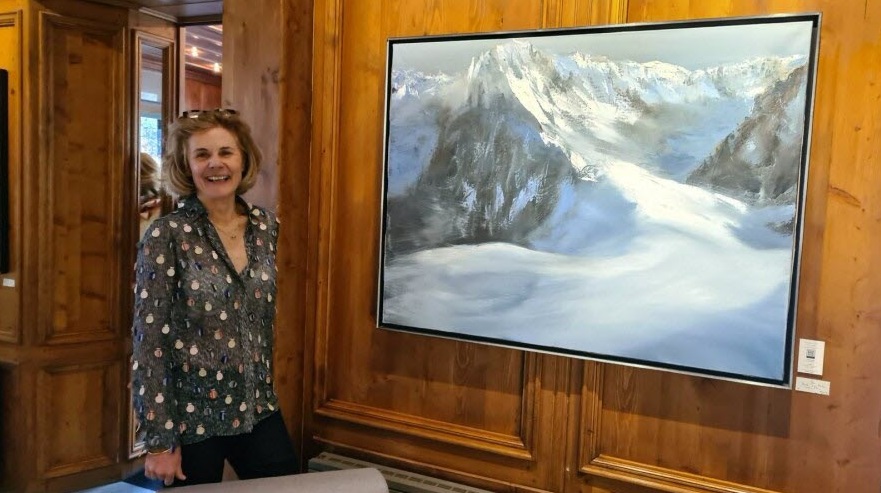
point(629, 193)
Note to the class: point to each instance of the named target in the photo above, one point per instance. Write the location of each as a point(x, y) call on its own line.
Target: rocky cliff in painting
point(495, 152)
point(759, 161)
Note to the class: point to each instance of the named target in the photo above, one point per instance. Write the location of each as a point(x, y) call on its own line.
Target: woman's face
point(216, 163)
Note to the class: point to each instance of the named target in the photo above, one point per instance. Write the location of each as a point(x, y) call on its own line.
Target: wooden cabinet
point(64, 307)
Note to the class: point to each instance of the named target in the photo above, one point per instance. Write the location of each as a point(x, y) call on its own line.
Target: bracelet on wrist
point(160, 452)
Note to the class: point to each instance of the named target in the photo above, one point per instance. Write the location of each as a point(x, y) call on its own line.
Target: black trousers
point(266, 451)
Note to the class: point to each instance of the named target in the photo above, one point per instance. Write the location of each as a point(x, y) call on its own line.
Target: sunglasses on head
point(215, 111)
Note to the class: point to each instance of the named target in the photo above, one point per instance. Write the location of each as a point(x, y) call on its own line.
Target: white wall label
point(812, 385)
point(810, 356)
point(8, 283)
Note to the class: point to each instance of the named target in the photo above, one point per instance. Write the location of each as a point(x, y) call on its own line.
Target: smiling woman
point(205, 312)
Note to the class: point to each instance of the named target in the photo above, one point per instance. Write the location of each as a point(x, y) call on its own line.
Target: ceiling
point(201, 19)
point(186, 10)
point(204, 47)
point(180, 11)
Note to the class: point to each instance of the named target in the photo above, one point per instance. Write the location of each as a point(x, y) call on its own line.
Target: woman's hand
point(165, 466)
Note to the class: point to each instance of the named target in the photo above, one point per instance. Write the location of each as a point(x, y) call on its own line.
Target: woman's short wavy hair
point(176, 166)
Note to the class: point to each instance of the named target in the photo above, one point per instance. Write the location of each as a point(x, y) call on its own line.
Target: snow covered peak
point(416, 84)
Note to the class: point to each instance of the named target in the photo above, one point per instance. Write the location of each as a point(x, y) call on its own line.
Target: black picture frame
point(4, 173)
point(489, 236)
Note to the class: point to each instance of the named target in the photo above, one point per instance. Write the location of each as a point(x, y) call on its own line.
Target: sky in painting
point(693, 48)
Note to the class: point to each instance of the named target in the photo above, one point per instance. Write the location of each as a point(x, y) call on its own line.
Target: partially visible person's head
point(176, 161)
point(150, 179)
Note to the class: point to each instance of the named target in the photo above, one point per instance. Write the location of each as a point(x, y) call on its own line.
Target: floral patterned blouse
point(202, 333)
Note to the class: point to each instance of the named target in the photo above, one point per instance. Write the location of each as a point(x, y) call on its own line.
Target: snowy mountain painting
point(629, 196)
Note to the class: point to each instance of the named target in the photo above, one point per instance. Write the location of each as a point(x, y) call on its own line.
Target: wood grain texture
point(77, 425)
point(82, 75)
point(11, 60)
point(201, 93)
point(252, 61)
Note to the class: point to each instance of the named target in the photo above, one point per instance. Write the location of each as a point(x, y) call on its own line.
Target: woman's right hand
point(165, 466)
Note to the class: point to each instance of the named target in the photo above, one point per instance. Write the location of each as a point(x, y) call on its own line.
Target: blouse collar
point(191, 206)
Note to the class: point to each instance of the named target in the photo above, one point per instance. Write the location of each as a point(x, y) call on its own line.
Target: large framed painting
point(631, 194)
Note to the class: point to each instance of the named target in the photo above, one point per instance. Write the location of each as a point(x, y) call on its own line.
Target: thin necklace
point(233, 235)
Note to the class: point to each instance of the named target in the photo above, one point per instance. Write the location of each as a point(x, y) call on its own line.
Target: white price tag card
point(8, 283)
point(810, 356)
point(812, 385)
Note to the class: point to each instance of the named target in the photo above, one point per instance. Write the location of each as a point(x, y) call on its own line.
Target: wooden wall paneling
point(326, 66)
point(82, 80)
point(11, 60)
point(78, 425)
point(69, 145)
point(577, 13)
point(201, 91)
point(294, 172)
point(14, 445)
point(252, 51)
